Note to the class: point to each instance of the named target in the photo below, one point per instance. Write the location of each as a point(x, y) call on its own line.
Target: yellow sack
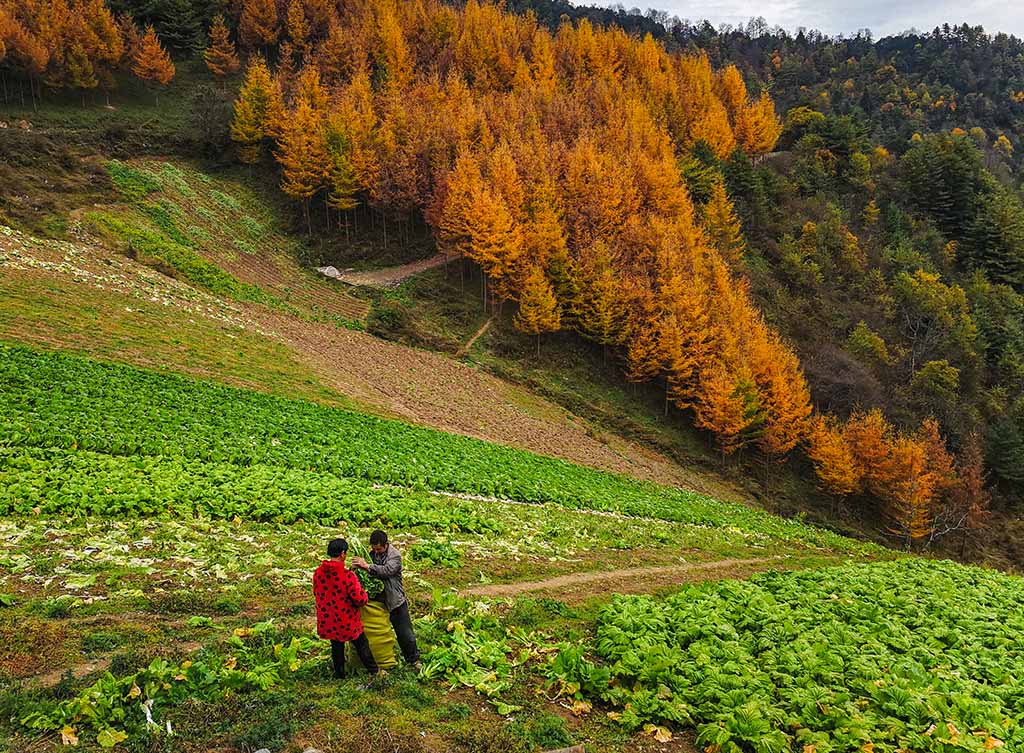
point(377, 626)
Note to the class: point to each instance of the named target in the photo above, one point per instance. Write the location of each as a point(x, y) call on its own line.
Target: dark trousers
point(362, 646)
point(402, 624)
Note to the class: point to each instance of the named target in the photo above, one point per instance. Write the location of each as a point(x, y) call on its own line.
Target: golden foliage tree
point(784, 393)
point(342, 180)
point(834, 462)
point(305, 162)
point(495, 244)
point(259, 25)
point(258, 111)
point(728, 406)
point(596, 308)
point(538, 308)
point(454, 221)
point(297, 28)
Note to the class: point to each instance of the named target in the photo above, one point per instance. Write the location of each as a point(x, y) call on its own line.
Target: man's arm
point(392, 565)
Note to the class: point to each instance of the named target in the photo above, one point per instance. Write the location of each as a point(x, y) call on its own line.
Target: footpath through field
point(389, 277)
point(631, 580)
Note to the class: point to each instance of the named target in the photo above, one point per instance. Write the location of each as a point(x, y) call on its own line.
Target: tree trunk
point(538, 345)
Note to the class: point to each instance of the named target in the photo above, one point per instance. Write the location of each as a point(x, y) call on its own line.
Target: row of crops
point(53, 482)
point(224, 439)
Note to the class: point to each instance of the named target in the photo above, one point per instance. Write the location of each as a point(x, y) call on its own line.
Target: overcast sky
point(883, 17)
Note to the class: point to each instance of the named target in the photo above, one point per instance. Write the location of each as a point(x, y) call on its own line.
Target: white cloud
point(883, 17)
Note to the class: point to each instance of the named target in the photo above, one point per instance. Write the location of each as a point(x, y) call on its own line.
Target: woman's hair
point(378, 538)
point(337, 547)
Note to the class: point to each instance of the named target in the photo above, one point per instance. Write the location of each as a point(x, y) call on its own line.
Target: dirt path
point(391, 277)
point(477, 335)
point(612, 580)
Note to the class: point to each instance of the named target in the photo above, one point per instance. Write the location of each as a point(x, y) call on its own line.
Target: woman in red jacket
point(339, 594)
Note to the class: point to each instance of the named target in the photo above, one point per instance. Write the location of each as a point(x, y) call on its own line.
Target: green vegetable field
point(904, 656)
point(64, 402)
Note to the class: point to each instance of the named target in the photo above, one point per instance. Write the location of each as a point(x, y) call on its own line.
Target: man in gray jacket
point(387, 565)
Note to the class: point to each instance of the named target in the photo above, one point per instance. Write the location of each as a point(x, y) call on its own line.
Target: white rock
point(329, 272)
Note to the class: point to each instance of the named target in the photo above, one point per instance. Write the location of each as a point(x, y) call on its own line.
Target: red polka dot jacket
point(339, 594)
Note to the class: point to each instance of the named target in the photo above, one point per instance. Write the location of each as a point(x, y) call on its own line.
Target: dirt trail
point(611, 580)
point(391, 276)
point(476, 336)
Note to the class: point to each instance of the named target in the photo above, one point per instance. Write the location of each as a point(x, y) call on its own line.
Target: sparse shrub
point(548, 731)
point(101, 641)
point(58, 608)
point(389, 319)
point(228, 202)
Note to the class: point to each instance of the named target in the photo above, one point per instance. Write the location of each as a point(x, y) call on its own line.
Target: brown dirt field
point(433, 390)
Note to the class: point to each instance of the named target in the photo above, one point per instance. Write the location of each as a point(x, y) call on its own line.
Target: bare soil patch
point(433, 390)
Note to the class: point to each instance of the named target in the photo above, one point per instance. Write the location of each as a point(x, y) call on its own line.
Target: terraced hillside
point(186, 506)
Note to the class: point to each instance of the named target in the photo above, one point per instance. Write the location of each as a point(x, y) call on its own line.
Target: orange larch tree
point(495, 244)
point(259, 112)
point(220, 55)
point(784, 393)
point(259, 25)
point(908, 499)
point(834, 462)
point(597, 309)
point(297, 28)
point(151, 63)
point(974, 500)
point(728, 407)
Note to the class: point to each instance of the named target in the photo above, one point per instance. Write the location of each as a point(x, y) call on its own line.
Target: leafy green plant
point(435, 554)
point(132, 183)
point(907, 655)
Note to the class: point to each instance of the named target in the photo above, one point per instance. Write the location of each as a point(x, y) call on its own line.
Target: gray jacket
point(388, 567)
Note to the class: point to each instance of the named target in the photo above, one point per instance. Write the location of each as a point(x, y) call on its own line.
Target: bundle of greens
point(374, 586)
